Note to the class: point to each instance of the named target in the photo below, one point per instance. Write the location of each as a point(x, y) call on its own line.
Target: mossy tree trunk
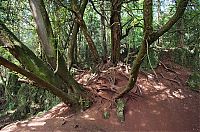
point(54, 75)
point(150, 36)
point(35, 68)
point(50, 48)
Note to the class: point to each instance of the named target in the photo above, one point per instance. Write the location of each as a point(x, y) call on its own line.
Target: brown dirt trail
point(166, 104)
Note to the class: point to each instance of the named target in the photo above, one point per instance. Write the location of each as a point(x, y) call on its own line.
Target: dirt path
point(166, 105)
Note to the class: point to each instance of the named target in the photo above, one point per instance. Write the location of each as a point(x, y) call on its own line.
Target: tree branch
point(97, 10)
point(127, 32)
point(33, 77)
point(179, 12)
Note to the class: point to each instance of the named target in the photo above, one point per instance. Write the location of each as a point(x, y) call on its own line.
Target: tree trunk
point(85, 31)
point(35, 68)
point(44, 30)
point(115, 22)
point(73, 40)
point(72, 44)
point(180, 33)
point(45, 33)
point(160, 39)
point(149, 38)
point(103, 30)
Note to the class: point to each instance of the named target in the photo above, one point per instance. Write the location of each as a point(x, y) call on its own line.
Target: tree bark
point(160, 39)
point(115, 22)
point(44, 30)
point(42, 83)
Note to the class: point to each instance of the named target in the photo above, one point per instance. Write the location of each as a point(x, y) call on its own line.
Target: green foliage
point(106, 115)
point(85, 103)
point(120, 109)
point(194, 81)
point(24, 100)
point(184, 56)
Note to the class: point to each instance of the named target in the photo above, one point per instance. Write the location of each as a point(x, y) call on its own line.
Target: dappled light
point(99, 65)
point(162, 102)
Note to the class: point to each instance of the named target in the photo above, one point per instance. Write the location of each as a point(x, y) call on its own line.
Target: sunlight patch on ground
point(150, 76)
point(156, 112)
point(160, 86)
point(130, 112)
point(164, 92)
point(143, 124)
point(10, 128)
point(169, 94)
point(178, 94)
point(86, 116)
point(31, 124)
point(40, 119)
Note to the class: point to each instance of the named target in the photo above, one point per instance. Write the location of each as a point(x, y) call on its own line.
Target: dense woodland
point(43, 43)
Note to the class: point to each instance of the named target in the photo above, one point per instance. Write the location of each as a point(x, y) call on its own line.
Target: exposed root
point(170, 79)
point(109, 82)
point(168, 69)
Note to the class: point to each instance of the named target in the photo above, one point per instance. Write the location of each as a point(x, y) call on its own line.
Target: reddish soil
point(164, 104)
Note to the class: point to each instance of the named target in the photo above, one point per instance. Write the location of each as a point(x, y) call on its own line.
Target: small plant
point(120, 110)
point(106, 115)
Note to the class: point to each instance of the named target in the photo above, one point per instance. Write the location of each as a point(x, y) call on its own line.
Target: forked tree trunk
point(81, 22)
point(36, 69)
point(48, 42)
point(55, 78)
point(73, 40)
point(149, 38)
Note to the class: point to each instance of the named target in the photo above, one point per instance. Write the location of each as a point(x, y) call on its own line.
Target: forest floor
point(163, 103)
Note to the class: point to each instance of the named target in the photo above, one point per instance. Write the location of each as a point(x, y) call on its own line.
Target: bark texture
point(44, 30)
point(115, 22)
